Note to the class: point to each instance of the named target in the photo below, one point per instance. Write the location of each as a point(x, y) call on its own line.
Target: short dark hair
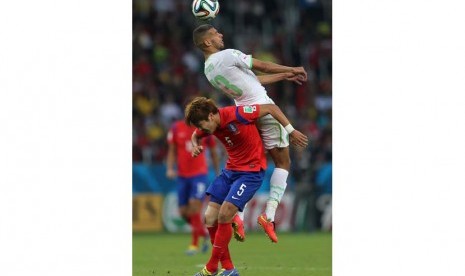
point(198, 110)
point(199, 33)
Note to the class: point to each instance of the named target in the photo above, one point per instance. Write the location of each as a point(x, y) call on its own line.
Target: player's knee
point(224, 217)
point(281, 158)
point(210, 220)
point(283, 163)
point(211, 216)
point(227, 212)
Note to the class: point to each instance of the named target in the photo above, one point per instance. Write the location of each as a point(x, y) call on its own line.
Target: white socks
point(241, 214)
point(277, 187)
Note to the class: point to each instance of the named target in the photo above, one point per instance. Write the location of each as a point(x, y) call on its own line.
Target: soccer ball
point(205, 9)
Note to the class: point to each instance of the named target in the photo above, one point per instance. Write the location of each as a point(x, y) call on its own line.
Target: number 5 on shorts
point(241, 189)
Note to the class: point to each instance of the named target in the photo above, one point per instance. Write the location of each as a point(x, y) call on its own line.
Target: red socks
point(225, 259)
point(197, 228)
point(212, 231)
point(220, 251)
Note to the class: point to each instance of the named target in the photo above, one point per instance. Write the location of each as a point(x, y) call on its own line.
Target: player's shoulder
point(227, 113)
point(229, 52)
point(228, 109)
point(218, 56)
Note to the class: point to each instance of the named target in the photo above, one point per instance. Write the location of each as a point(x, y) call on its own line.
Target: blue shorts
point(235, 187)
point(191, 187)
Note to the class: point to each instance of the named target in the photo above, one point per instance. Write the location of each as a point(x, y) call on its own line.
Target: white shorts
point(272, 132)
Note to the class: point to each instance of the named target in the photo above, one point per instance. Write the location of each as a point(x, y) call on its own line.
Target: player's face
point(216, 38)
point(208, 126)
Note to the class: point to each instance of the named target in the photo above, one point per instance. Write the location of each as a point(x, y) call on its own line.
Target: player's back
point(230, 71)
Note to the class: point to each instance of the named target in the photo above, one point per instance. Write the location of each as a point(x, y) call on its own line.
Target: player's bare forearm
point(272, 78)
point(196, 147)
point(272, 68)
point(274, 111)
point(170, 160)
point(195, 139)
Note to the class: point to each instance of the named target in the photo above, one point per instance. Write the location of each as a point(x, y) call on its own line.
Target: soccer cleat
point(231, 272)
point(238, 226)
point(192, 250)
point(268, 226)
point(205, 272)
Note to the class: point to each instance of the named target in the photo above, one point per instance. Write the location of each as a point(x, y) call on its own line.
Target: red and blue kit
point(239, 135)
point(246, 164)
point(180, 135)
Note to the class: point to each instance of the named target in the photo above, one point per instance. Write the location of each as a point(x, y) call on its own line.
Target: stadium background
point(167, 69)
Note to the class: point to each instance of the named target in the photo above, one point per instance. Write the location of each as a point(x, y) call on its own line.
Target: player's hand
point(196, 150)
point(298, 139)
point(171, 174)
point(301, 72)
point(296, 78)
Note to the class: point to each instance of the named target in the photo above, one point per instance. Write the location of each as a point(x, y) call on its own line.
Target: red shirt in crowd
point(180, 135)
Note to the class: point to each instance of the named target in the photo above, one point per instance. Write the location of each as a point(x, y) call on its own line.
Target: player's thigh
point(219, 188)
point(281, 157)
point(272, 133)
point(243, 188)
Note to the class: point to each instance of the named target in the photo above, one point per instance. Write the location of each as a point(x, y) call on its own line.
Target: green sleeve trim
point(251, 62)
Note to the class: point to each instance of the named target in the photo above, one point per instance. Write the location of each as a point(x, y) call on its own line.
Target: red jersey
point(239, 135)
point(180, 135)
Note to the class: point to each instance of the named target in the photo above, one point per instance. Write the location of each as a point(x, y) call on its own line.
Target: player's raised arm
point(297, 137)
point(170, 161)
point(272, 78)
point(272, 68)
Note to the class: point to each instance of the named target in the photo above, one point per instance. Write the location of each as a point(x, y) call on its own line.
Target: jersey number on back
point(227, 87)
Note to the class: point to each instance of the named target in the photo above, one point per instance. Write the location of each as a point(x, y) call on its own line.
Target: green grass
point(306, 254)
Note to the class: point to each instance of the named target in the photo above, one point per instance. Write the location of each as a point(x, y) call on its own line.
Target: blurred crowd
point(168, 69)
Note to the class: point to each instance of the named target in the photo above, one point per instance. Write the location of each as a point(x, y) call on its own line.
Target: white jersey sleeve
point(240, 59)
point(230, 71)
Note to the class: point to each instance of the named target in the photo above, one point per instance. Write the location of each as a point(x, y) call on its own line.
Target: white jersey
point(230, 71)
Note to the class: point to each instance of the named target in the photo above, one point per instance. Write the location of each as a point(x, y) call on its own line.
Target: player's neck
point(217, 118)
point(207, 53)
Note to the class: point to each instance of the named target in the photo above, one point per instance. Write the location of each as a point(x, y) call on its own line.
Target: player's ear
point(207, 42)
